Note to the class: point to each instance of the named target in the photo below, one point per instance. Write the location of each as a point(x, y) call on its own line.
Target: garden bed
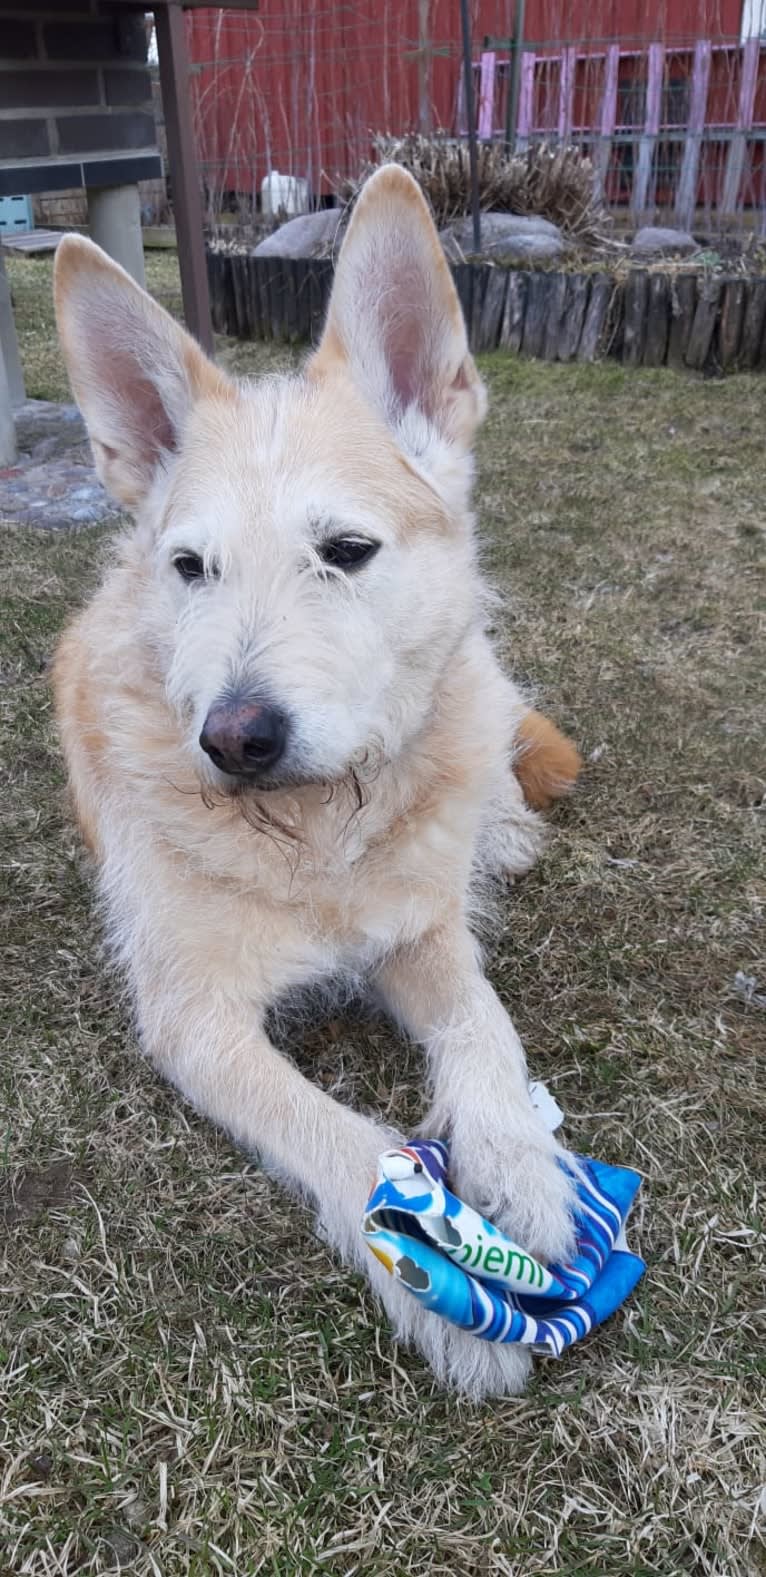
point(683, 318)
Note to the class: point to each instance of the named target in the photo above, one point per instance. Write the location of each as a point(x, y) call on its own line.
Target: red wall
point(300, 86)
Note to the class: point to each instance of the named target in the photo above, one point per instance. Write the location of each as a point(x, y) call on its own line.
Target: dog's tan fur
point(219, 901)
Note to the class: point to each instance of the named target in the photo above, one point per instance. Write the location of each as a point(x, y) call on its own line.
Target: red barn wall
point(300, 86)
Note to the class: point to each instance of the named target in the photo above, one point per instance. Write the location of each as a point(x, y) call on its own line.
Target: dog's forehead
point(285, 453)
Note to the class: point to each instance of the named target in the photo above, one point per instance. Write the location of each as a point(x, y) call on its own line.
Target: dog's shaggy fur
point(360, 851)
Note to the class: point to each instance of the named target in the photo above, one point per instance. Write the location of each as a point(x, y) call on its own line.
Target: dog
point(291, 748)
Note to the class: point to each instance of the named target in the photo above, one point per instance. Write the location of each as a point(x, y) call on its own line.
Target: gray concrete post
point(114, 222)
point(7, 429)
point(9, 345)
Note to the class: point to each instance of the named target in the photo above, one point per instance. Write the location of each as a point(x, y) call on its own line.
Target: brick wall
point(69, 209)
point(76, 98)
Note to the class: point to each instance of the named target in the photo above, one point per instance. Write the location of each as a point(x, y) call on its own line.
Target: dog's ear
point(134, 372)
point(394, 319)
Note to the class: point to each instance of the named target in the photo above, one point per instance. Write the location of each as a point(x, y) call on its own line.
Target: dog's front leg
point(502, 1158)
point(210, 1049)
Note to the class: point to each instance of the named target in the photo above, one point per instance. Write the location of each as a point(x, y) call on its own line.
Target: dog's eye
point(347, 553)
point(190, 566)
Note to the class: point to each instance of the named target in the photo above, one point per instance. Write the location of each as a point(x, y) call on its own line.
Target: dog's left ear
point(395, 321)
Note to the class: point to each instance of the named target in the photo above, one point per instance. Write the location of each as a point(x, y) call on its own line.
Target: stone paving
point(52, 484)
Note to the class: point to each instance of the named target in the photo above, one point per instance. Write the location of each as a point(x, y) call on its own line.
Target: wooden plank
point(595, 318)
point(683, 305)
point(607, 117)
point(462, 273)
point(290, 300)
point(492, 309)
point(643, 182)
point(241, 295)
point(487, 94)
point(229, 311)
point(320, 285)
point(261, 268)
point(302, 299)
point(479, 286)
point(573, 316)
point(215, 291)
point(254, 298)
point(526, 100)
point(703, 325)
point(754, 322)
point(657, 321)
point(735, 158)
point(557, 294)
point(274, 295)
point(566, 92)
point(686, 196)
point(636, 300)
point(536, 316)
point(730, 323)
point(512, 328)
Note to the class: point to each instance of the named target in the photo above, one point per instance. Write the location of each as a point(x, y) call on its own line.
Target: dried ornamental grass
point(552, 182)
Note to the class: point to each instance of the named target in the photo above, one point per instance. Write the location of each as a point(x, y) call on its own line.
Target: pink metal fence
point(705, 149)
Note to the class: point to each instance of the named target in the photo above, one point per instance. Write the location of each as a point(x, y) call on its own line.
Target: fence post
point(468, 79)
point(174, 81)
point(643, 183)
point(608, 118)
point(514, 80)
point(686, 197)
point(736, 157)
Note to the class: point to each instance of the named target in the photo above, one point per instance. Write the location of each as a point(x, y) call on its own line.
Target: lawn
point(190, 1384)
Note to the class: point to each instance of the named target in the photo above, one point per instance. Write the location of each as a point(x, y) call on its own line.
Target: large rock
point(657, 241)
point(305, 236)
point(511, 236)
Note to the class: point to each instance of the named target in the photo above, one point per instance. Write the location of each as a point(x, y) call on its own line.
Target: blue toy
point(464, 1269)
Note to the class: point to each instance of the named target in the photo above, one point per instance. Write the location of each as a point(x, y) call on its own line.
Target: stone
point(305, 236)
point(516, 238)
point(53, 484)
point(658, 241)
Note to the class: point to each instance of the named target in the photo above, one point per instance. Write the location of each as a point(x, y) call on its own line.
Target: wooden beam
point(608, 116)
point(686, 198)
point(566, 92)
point(643, 185)
point(187, 203)
point(735, 158)
point(526, 99)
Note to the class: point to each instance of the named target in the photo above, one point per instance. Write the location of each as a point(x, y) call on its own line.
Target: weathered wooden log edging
point(646, 318)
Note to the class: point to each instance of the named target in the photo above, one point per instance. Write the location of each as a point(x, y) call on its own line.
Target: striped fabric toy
point(463, 1268)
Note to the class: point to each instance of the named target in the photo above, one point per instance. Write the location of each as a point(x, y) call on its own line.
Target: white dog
point(288, 738)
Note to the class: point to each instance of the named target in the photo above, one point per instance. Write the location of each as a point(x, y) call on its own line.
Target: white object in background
point(287, 194)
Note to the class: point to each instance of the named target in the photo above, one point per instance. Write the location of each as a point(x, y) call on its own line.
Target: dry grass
point(190, 1384)
point(555, 183)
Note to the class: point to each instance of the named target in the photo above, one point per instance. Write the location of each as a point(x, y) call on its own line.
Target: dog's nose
point(244, 737)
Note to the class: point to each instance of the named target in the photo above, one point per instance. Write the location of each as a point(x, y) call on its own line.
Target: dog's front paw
point(515, 1179)
point(460, 1361)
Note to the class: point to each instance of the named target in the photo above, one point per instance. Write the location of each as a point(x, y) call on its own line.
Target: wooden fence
point(649, 318)
point(666, 128)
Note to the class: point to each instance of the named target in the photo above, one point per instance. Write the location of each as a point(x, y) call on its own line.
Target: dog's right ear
point(134, 371)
